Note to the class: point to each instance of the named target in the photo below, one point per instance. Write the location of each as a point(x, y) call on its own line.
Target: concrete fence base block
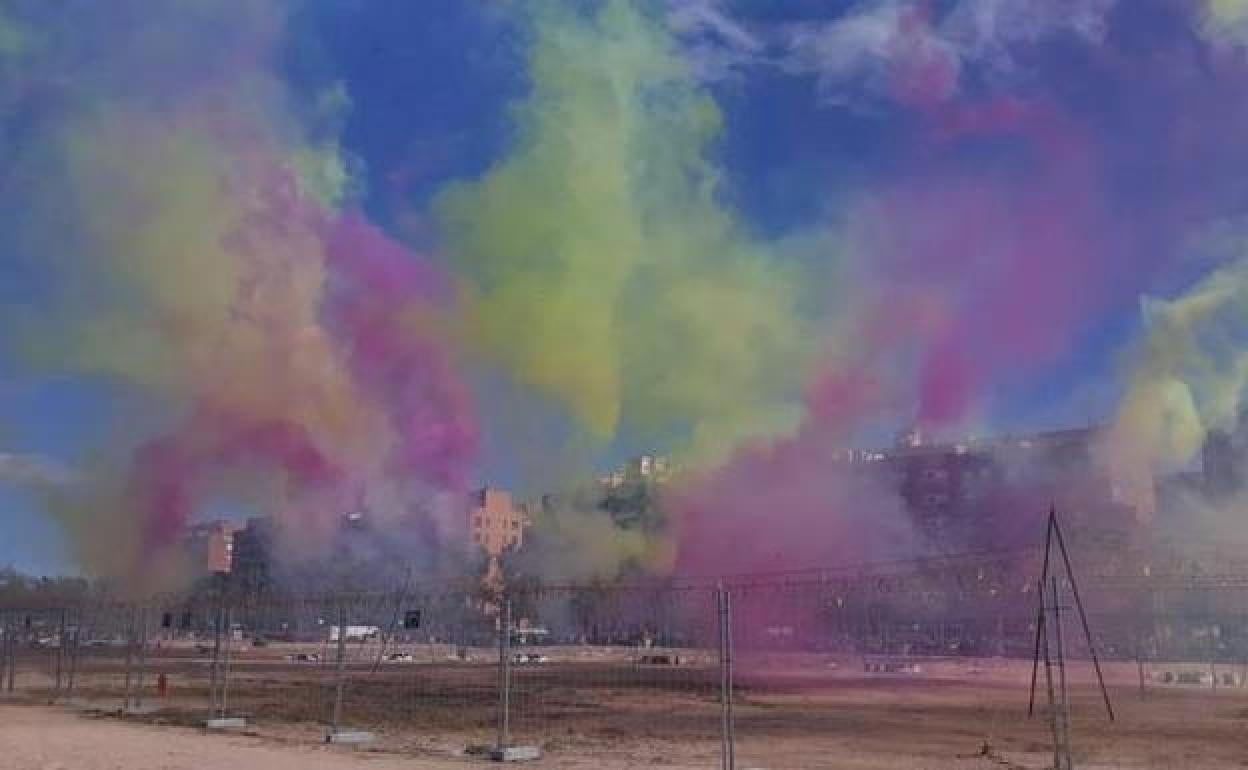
point(350, 737)
point(225, 723)
point(515, 754)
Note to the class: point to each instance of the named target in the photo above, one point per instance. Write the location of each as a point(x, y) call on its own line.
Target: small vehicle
point(304, 657)
point(400, 657)
point(528, 659)
point(659, 660)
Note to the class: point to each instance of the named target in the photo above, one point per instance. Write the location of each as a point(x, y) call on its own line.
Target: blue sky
point(813, 121)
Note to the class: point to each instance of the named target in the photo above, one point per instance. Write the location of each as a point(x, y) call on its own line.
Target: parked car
point(528, 659)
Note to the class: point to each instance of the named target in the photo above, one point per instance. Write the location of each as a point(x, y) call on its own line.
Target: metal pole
point(1041, 632)
point(504, 675)
point(4, 652)
point(6, 657)
point(12, 659)
point(1040, 629)
point(59, 658)
point(216, 660)
point(1061, 672)
point(1213, 657)
point(225, 671)
point(728, 675)
point(138, 699)
point(73, 655)
point(342, 663)
point(1048, 681)
point(723, 606)
point(1083, 617)
point(129, 660)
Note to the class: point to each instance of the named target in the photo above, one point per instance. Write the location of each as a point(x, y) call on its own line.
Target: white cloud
point(868, 50)
point(879, 45)
point(718, 46)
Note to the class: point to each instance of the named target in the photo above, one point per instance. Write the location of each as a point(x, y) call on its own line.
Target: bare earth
point(36, 738)
point(799, 712)
point(39, 738)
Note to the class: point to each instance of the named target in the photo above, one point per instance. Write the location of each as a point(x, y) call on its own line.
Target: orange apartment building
point(210, 547)
point(496, 524)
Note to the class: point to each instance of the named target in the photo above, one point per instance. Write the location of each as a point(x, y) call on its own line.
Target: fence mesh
point(749, 671)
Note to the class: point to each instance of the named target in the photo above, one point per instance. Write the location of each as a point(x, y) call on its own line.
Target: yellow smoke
point(603, 268)
point(580, 544)
point(1188, 375)
point(202, 316)
point(1226, 19)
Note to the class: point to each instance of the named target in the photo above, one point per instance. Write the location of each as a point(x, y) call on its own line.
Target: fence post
point(504, 675)
point(727, 737)
point(125, 706)
point(342, 664)
point(225, 667)
point(76, 637)
point(12, 646)
point(215, 672)
point(1061, 673)
point(138, 700)
point(59, 658)
point(4, 652)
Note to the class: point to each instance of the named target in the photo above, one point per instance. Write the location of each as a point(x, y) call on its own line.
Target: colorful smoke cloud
point(603, 268)
point(190, 220)
point(194, 225)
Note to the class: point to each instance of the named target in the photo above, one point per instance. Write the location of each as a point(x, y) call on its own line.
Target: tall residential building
point(210, 547)
point(1220, 464)
point(646, 468)
point(495, 522)
point(253, 567)
point(992, 493)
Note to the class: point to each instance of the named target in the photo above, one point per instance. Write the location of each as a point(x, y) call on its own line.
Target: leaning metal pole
point(1048, 681)
point(1035, 658)
point(1064, 704)
point(1040, 629)
point(1083, 616)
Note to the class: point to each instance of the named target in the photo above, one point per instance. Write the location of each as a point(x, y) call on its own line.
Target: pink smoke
point(402, 365)
point(168, 473)
point(1015, 269)
point(971, 280)
point(378, 304)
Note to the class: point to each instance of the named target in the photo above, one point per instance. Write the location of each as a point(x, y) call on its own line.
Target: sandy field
point(595, 709)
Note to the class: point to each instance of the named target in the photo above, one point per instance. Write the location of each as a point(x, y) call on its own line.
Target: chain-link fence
point(732, 671)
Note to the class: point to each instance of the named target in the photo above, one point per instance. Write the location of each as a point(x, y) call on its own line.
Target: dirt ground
point(594, 711)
